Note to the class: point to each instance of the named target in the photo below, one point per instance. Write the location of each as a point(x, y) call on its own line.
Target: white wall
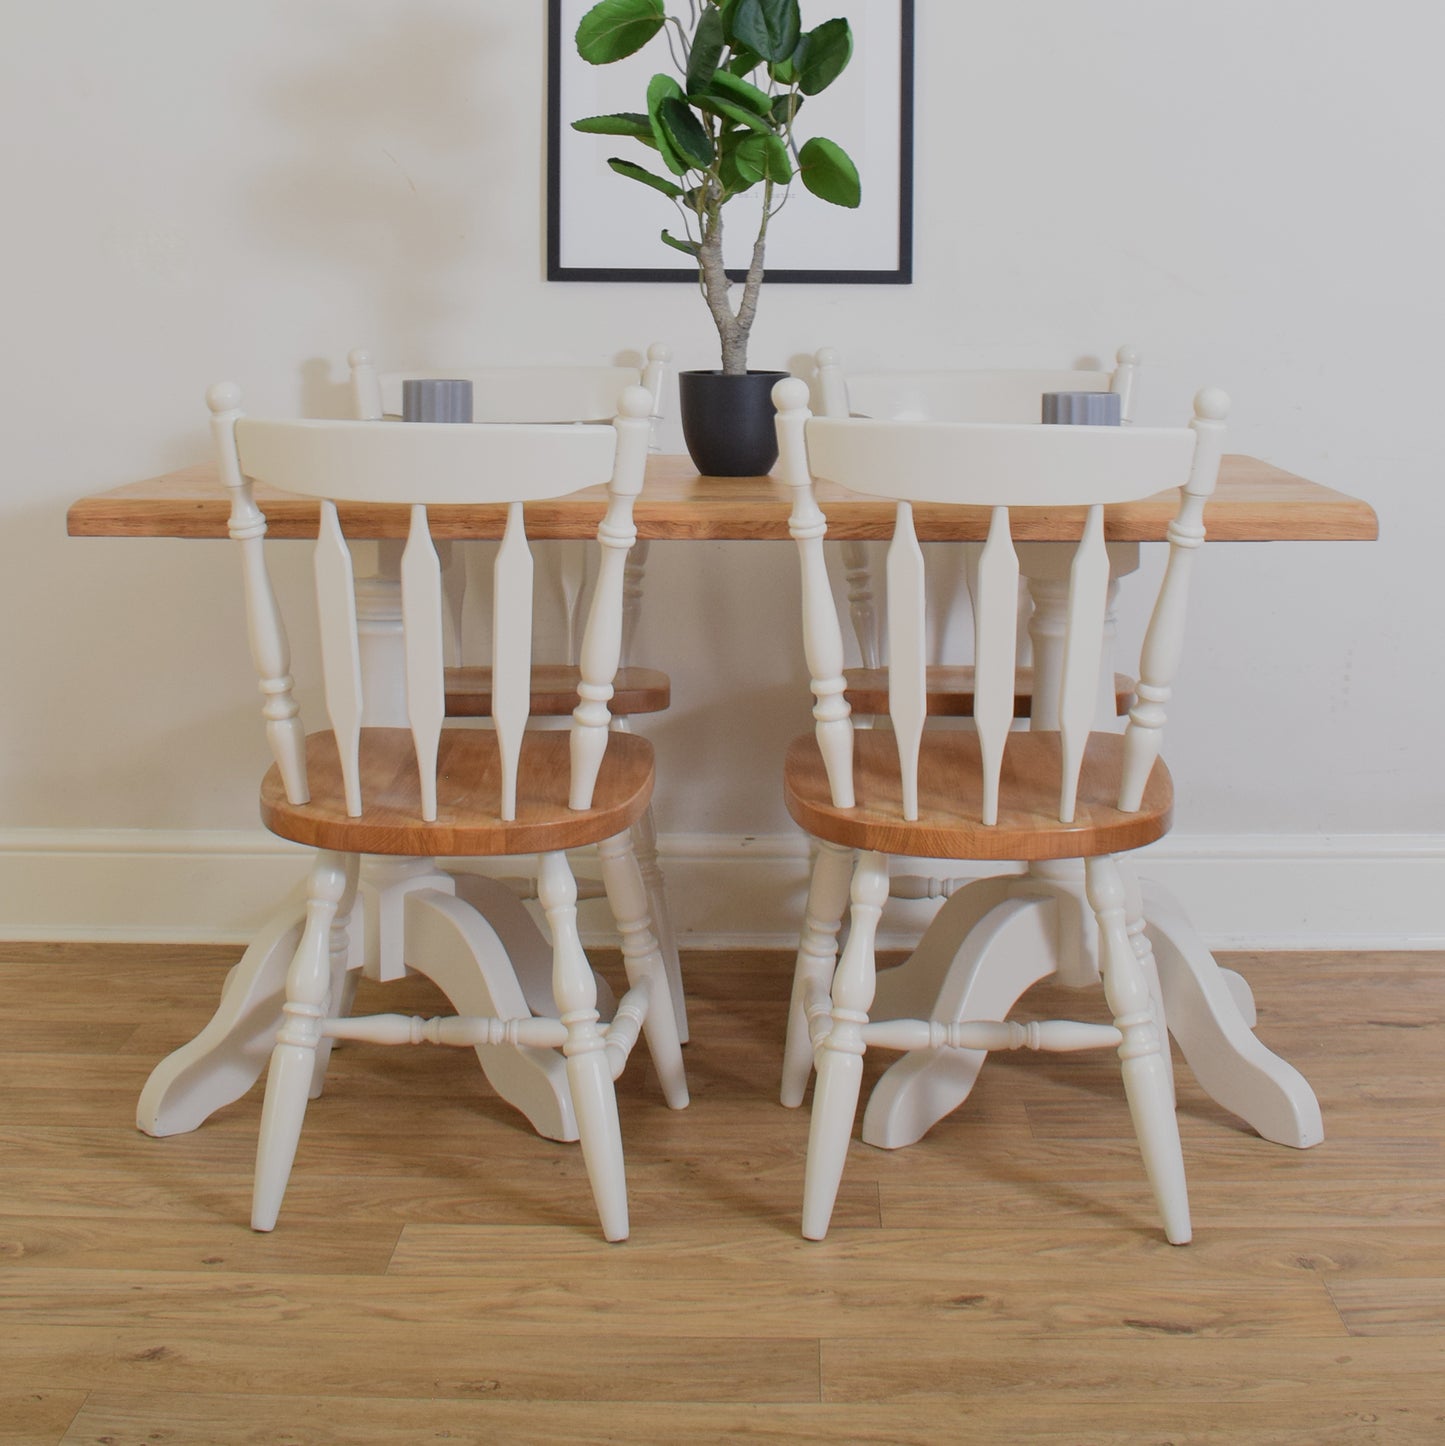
point(1247, 191)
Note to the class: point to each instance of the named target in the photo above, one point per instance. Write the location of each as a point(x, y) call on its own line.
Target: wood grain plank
point(677, 1250)
point(1391, 1306)
point(208, 1249)
point(29, 1417)
point(1156, 1363)
point(966, 1304)
point(391, 1359)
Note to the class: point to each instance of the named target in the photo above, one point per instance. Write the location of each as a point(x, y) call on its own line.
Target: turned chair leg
point(329, 896)
point(1148, 1083)
point(642, 958)
point(840, 1054)
point(589, 1073)
point(644, 842)
point(817, 954)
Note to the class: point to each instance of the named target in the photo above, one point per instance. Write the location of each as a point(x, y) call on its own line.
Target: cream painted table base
point(486, 959)
point(995, 938)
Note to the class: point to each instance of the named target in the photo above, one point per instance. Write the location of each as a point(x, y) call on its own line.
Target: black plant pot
point(727, 422)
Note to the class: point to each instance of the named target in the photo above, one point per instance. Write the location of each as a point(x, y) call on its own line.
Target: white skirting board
point(1341, 891)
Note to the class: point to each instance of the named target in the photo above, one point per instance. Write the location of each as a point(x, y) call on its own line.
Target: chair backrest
point(976, 395)
point(420, 466)
point(999, 467)
point(521, 394)
point(963, 396)
point(518, 393)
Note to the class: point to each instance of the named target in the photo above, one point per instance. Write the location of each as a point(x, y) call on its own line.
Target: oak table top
point(1254, 502)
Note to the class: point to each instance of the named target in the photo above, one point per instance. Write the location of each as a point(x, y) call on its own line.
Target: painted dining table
point(1022, 928)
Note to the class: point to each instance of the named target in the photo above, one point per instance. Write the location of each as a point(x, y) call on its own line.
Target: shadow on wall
point(378, 171)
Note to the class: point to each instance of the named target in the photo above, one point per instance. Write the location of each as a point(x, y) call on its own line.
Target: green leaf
point(637, 173)
point(716, 105)
point(829, 174)
point(713, 106)
point(732, 178)
point(613, 29)
point(744, 61)
point(621, 123)
point(741, 91)
point(686, 132)
point(662, 88)
point(689, 247)
point(708, 43)
point(765, 158)
point(786, 108)
point(822, 55)
point(771, 27)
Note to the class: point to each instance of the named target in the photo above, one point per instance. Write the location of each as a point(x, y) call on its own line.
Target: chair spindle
point(340, 648)
point(511, 652)
point(907, 651)
point(421, 615)
point(995, 622)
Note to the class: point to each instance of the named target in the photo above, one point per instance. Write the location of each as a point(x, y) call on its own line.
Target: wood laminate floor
point(438, 1274)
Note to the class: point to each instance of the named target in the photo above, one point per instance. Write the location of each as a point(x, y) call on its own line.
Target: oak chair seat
point(554, 691)
point(950, 799)
point(950, 691)
point(468, 787)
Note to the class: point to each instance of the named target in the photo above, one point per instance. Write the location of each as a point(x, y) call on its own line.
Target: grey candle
point(1082, 409)
point(436, 399)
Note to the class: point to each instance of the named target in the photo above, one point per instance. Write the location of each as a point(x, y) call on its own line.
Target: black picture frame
point(567, 258)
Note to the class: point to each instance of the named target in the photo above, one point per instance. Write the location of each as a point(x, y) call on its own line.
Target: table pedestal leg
point(469, 957)
point(993, 940)
point(992, 962)
point(1203, 1005)
point(227, 1057)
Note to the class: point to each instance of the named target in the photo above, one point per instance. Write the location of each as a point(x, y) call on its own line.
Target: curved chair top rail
point(531, 393)
point(992, 463)
point(998, 396)
point(425, 462)
point(964, 394)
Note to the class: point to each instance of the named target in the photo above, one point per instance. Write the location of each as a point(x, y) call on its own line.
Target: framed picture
point(605, 227)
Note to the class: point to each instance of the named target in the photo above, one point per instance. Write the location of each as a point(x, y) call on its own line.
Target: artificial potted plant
point(725, 128)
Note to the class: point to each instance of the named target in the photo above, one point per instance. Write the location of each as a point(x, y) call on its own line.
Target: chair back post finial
point(365, 386)
point(1126, 373)
point(822, 635)
point(601, 652)
point(270, 648)
point(1164, 640)
point(832, 384)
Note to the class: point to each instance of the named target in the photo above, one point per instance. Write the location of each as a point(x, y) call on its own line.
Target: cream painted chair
point(397, 798)
point(991, 794)
point(965, 395)
point(545, 394)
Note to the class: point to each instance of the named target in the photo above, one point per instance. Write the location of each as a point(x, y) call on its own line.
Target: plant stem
point(733, 328)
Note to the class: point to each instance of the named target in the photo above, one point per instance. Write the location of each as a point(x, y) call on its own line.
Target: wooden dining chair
point(962, 395)
point(409, 795)
point(987, 794)
point(545, 394)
